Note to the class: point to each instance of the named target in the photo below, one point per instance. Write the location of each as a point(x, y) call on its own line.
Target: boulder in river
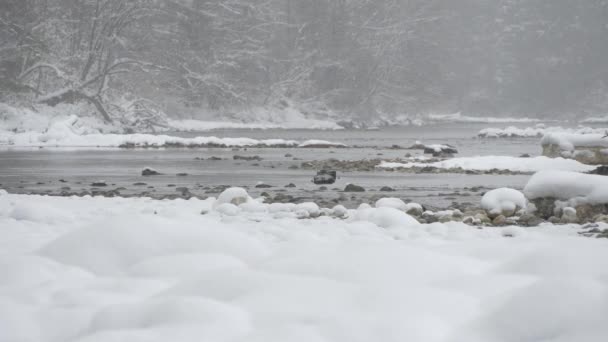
point(600, 170)
point(325, 177)
point(149, 172)
point(354, 188)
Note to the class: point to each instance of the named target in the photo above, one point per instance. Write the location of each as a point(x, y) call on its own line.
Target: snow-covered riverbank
point(98, 269)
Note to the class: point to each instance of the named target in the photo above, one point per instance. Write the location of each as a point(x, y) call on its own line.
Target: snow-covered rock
point(385, 217)
point(391, 202)
point(586, 148)
point(235, 196)
point(568, 186)
point(503, 201)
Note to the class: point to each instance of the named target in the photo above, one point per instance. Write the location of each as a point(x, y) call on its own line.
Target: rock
point(149, 172)
point(99, 184)
point(263, 186)
point(214, 158)
point(529, 220)
point(545, 207)
point(569, 215)
point(63, 181)
point(600, 170)
point(601, 218)
point(483, 218)
point(253, 158)
point(140, 184)
point(185, 192)
point(325, 177)
point(323, 188)
point(182, 175)
point(354, 188)
point(471, 221)
point(554, 219)
point(586, 212)
point(525, 155)
point(386, 189)
point(499, 220)
point(293, 167)
point(290, 185)
point(288, 155)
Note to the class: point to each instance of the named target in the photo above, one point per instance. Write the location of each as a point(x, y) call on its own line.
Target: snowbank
point(487, 163)
point(569, 142)
point(503, 201)
point(100, 269)
point(534, 132)
point(459, 118)
point(569, 186)
point(69, 133)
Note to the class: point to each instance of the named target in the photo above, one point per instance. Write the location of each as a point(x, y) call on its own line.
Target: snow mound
point(503, 201)
point(568, 186)
point(235, 196)
point(385, 217)
point(391, 202)
point(487, 163)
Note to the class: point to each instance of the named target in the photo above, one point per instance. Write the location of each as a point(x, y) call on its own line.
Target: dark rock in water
point(293, 167)
point(149, 172)
point(253, 158)
point(171, 185)
point(63, 181)
point(325, 177)
point(99, 183)
point(354, 188)
point(600, 170)
point(290, 185)
point(139, 184)
point(288, 155)
point(214, 158)
point(323, 188)
point(525, 155)
point(387, 189)
point(182, 175)
point(263, 186)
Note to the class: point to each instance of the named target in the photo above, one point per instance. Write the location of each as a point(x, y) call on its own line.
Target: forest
point(336, 59)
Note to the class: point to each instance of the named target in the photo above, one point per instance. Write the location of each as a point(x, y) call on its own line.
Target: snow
point(136, 269)
point(503, 201)
point(321, 143)
point(577, 188)
point(391, 202)
point(193, 125)
point(66, 134)
point(459, 118)
point(487, 163)
point(570, 141)
point(534, 132)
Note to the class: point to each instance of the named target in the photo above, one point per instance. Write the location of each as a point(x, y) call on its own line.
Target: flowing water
point(40, 170)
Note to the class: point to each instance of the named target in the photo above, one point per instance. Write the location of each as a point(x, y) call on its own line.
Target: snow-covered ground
point(534, 132)
point(486, 163)
point(73, 131)
point(459, 117)
point(99, 269)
